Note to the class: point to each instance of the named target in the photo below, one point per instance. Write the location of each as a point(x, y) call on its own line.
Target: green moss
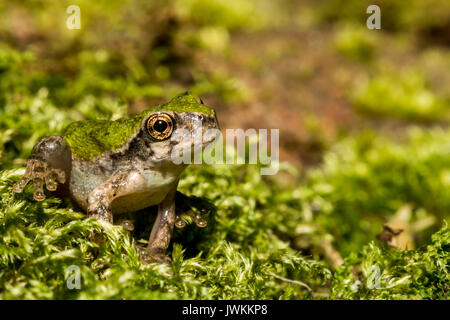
point(366, 179)
point(356, 42)
point(90, 138)
point(232, 14)
point(405, 95)
point(259, 234)
point(396, 15)
point(378, 272)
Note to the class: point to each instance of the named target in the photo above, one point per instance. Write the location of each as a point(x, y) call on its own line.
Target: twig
point(290, 281)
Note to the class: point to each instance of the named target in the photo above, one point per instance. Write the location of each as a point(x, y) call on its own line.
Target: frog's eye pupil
point(160, 125)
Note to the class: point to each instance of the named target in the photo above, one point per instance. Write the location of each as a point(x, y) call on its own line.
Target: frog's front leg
point(162, 229)
point(101, 198)
point(49, 162)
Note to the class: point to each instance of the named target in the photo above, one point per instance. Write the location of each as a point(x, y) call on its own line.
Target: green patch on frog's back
point(91, 138)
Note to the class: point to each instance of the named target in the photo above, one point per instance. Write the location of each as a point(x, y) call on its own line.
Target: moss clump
point(42, 240)
point(356, 42)
point(378, 272)
point(405, 96)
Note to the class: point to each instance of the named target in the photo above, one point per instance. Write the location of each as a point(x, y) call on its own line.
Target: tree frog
point(114, 167)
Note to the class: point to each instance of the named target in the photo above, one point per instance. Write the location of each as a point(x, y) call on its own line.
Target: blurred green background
point(363, 118)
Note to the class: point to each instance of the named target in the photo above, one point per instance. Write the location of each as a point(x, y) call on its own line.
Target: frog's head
point(184, 123)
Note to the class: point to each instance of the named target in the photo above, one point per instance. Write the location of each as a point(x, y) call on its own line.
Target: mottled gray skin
point(138, 175)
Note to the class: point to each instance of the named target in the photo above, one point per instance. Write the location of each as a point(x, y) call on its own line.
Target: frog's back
point(91, 138)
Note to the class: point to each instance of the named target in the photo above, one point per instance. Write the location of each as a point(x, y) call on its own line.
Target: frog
point(108, 168)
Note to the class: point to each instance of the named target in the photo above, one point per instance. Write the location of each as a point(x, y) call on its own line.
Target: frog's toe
point(198, 219)
point(53, 177)
point(179, 222)
point(20, 185)
point(38, 194)
point(147, 258)
point(163, 259)
point(30, 173)
point(50, 182)
point(160, 258)
point(59, 174)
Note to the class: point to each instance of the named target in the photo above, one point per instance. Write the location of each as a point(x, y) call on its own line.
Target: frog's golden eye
point(160, 126)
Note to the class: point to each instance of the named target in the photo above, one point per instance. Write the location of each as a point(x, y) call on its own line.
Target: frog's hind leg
point(49, 163)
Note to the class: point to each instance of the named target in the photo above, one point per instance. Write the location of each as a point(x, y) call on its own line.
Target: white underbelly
point(143, 189)
point(138, 200)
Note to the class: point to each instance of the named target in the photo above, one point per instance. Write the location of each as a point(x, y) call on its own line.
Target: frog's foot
point(39, 171)
point(191, 206)
point(198, 219)
point(152, 256)
point(179, 222)
point(155, 255)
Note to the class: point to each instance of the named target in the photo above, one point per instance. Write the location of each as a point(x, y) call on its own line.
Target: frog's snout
point(211, 129)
